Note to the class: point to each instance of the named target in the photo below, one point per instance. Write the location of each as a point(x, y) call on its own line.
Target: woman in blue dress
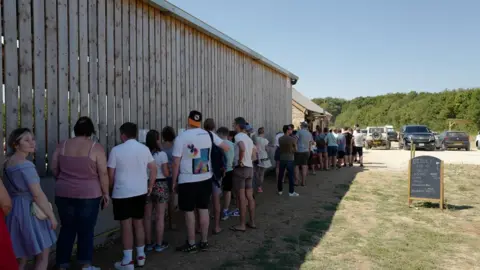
point(31, 236)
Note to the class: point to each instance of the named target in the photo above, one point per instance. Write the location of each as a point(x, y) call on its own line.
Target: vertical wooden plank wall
point(118, 61)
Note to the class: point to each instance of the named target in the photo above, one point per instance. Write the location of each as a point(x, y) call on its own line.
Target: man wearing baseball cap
point(192, 177)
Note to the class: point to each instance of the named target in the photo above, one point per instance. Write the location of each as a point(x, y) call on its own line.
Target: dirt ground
point(352, 218)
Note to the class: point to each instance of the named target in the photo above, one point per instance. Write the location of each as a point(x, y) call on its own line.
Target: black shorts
point(227, 181)
point(341, 154)
point(277, 154)
point(133, 207)
point(194, 195)
point(359, 150)
point(301, 158)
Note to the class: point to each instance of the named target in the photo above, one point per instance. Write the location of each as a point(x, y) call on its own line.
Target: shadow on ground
point(288, 229)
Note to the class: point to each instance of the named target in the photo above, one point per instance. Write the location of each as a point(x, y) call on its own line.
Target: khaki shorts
point(242, 178)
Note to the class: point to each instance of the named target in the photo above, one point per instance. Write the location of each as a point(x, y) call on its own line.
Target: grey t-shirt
point(304, 140)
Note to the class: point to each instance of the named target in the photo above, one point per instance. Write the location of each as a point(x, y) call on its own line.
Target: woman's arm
point(165, 170)
point(5, 201)
point(54, 166)
point(101, 160)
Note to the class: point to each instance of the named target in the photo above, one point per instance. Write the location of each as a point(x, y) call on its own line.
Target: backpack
point(320, 141)
point(218, 160)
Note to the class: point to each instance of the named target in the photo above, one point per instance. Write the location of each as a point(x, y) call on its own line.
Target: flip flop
point(235, 229)
point(250, 226)
point(217, 233)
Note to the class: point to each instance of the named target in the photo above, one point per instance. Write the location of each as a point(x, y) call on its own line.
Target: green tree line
point(398, 109)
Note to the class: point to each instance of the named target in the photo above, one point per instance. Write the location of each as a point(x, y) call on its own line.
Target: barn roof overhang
point(304, 104)
point(201, 26)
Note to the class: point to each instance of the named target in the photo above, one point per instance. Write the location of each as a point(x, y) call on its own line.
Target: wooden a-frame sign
point(425, 180)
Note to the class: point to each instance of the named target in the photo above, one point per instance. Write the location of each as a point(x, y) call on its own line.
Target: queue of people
point(143, 182)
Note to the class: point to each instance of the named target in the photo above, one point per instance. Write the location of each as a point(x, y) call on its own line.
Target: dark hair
point(261, 131)
point(223, 131)
point(285, 128)
point(209, 124)
point(15, 137)
point(129, 129)
point(232, 134)
point(318, 128)
point(291, 126)
point(346, 128)
point(84, 127)
point(325, 129)
point(168, 134)
point(151, 141)
point(240, 121)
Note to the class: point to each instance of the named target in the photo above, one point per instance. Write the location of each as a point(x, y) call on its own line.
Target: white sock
point(127, 256)
point(141, 251)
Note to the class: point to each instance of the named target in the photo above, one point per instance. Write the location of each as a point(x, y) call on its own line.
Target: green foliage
point(397, 109)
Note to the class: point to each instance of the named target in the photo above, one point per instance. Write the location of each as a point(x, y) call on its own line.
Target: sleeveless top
point(78, 177)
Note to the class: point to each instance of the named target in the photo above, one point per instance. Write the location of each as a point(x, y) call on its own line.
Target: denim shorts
point(332, 151)
point(321, 150)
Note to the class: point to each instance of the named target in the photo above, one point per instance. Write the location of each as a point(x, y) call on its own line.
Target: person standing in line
point(127, 170)
point(227, 181)
point(159, 197)
point(192, 177)
point(32, 232)
point(243, 174)
point(277, 154)
point(263, 160)
point(358, 141)
point(80, 168)
point(332, 148)
point(322, 149)
point(341, 141)
point(7, 256)
point(236, 211)
point(355, 154)
point(168, 137)
point(302, 154)
point(288, 147)
point(349, 147)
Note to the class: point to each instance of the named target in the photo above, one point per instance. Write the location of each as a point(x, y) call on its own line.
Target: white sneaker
point(141, 260)
point(120, 266)
point(294, 194)
point(280, 192)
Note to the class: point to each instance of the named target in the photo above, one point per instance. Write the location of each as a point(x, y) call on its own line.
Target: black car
point(419, 135)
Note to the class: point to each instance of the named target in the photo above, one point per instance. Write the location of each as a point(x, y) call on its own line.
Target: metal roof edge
point(216, 34)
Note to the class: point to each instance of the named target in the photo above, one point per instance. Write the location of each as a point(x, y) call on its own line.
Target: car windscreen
point(416, 129)
point(457, 134)
point(364, 131)
point(372, 130)
point(390, 130)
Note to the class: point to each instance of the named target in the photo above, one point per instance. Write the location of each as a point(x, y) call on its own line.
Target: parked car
point(419, 135)
point(377, 136)
point(454, 139)
point(391, 134)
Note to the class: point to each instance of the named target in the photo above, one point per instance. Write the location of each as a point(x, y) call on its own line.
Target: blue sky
point(350, 48)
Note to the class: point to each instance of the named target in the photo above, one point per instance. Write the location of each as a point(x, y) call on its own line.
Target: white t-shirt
point(247, 157)
point(278, 136)
point(160, 159)
point(130, 160)
point(261, 147)
point(194, 147)
point(358, 139)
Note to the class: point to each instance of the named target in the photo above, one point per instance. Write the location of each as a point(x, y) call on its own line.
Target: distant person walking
point(288, 147)
point(127, 170)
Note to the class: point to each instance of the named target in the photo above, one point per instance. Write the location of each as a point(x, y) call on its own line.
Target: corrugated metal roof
point(214, 33)
point(306, 102)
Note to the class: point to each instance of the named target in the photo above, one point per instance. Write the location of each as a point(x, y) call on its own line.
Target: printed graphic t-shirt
point(194, 147)
point(230, 154)
point(247, 157)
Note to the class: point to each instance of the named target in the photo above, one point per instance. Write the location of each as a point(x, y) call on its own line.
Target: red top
point(7, 257)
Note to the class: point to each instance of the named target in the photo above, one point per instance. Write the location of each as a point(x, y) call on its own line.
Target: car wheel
point(467, 149)
point(388, 145)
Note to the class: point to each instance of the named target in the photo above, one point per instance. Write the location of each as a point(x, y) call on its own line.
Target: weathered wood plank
point(52, 75)
point(126, 59)
point(195, 68)
point(63, 124)
point(202, 75)
point(163, 64)
point(182, 112)
point(146, 73)
point(188, 71)
point(25, 62)
point(151, 45)
point(118, 68)
point(92, 62)
point(175, 80)
point(83, 60)
point(111, 127)
point(39, 79)
point(168, 51)
point(158, 72)
point(11, 67)
point(133, 63)
point(102, 75)
point(74, 94)
point(177, 66)
point(140, 85)
point(208, 77)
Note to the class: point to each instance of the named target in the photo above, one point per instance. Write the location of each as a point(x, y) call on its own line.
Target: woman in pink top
point(80, 167)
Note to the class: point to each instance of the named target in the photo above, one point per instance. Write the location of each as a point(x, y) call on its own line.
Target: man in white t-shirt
point(358, 144)
point(127, 171)
point(192, 177)
point(243, 174)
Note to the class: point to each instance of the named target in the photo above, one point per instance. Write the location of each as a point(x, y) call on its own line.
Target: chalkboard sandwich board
point(425, 180)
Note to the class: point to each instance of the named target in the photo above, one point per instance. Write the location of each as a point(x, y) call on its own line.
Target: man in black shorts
point(127, 171)
point(192, 177)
